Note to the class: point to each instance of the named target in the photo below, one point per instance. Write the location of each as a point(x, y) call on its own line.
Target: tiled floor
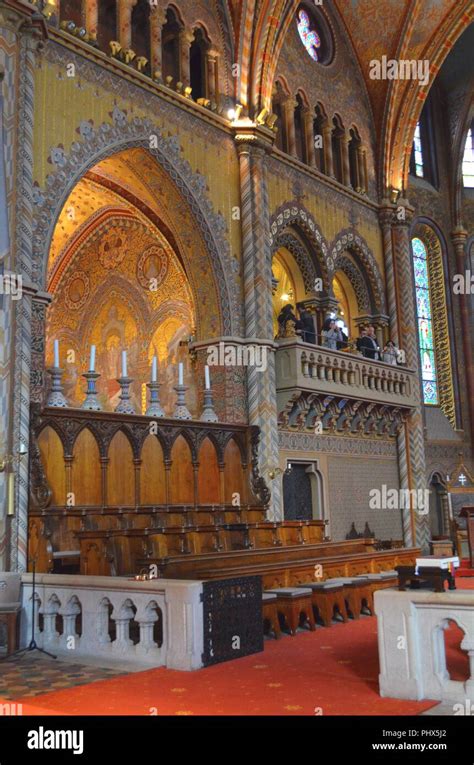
point(33, 675)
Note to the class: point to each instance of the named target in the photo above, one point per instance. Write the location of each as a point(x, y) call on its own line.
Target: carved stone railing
point(326, 385)
point(143, 623)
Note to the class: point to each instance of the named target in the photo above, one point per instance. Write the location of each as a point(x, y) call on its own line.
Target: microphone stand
point(32, 645)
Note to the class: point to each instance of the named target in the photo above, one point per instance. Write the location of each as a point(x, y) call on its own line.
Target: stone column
point(211, 72)
point(288, 114)
point(92, 16)
point(361, 182)
point(327, 149)
point(309, 137)
point(386, 216)
point(256, 252)
point(124, 23)
point(157, 21)
point(185, 42)
point(346, 167)
point(27, 31)
point(411, 447)
point(458, 238)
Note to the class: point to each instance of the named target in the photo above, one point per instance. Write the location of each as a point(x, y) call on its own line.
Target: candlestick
point(154, 408)
point(92, 359)
point(207, 377)
point(153, 370)
point(124, 364)
point(91, 401)
point(180, 373)
point(56, 354)
point(208, 413)
point(181, 411)
point(125, 406)
point(56, 397)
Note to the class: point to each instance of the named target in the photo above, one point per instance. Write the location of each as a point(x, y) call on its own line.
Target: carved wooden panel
point(208, 475)
point(152, 473)
point(120, 472)
point(51, 450)
point(181, 473)
point(86, 472)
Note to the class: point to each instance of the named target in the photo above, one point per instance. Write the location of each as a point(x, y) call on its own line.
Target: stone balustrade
point(412, 652)
point(149, 623)
point(305, 367)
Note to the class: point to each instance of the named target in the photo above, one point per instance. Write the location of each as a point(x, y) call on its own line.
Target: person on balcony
point(331, 334)
point(286, 315)
point(390, 353)
point(362, 334)
point(368, 344)
point(305, 324)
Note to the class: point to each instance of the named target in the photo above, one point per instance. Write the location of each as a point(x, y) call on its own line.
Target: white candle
point(180, 373)
point(124, 363)
point(92, 359)
point(206, 375)
point(56, 354)
point(153, 369)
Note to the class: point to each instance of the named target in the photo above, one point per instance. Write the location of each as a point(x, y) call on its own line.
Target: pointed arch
point(350, 240)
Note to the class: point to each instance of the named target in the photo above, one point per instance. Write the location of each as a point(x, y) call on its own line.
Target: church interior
point(236, 357)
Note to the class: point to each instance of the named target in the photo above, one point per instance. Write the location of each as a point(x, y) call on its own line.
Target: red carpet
point(331, 671)
point(465, 570)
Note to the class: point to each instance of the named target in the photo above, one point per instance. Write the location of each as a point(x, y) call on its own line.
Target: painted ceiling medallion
point(153, 265)
point(77, 290)
point(112, 248)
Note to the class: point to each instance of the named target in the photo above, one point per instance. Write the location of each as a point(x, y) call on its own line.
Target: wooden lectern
point(468, 514)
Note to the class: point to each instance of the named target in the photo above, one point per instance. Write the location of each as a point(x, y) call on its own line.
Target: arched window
point(279, 96)
point(106, 23)
point(423, 162)
point(71, 10)
point(468, 160)
point(418, 165)
point(300, 139)
point(425, 323)
point(197, 65)
point(170, 46)
point(141, 29)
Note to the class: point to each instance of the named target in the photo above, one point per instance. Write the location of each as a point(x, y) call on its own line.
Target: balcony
point(343, 391)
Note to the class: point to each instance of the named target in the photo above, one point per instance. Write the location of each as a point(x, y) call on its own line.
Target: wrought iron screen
point(232, 618)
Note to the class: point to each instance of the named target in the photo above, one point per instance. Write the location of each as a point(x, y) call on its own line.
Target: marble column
point(6, 308)
point(212, 81)
point(411, 447)
point(261, 385)
point(92, 16)
point(185, 42)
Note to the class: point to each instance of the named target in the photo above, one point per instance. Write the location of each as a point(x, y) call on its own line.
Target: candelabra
point(208, 413)
point(56, 397)
point(154, 409)
point(181, 411)
point(125, 406)
point(91, 401)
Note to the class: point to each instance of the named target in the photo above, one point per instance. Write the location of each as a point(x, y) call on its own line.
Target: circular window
point(315, 34)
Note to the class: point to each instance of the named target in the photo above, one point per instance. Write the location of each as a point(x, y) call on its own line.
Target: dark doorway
point(297, 495)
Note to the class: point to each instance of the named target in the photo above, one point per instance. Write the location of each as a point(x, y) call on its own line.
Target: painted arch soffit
point(109, 139)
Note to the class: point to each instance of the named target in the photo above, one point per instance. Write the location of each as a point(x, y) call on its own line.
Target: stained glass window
point(425, 326)
point(468, 161)
point(309, 37)
point(418, 152)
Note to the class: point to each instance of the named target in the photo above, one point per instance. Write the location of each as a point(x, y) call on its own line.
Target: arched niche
point(52, 458)
point(181, 473)
point(234, 475)
point(347, 302)
point(107, 28)
point(140, 23)
point(152, 473)
point(208, 474)
point(86, 470)
point(120, 472)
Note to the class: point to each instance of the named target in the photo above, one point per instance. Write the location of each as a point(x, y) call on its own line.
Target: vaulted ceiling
point(399, 29)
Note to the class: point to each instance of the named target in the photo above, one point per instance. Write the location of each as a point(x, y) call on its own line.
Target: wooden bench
point(293, 603)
